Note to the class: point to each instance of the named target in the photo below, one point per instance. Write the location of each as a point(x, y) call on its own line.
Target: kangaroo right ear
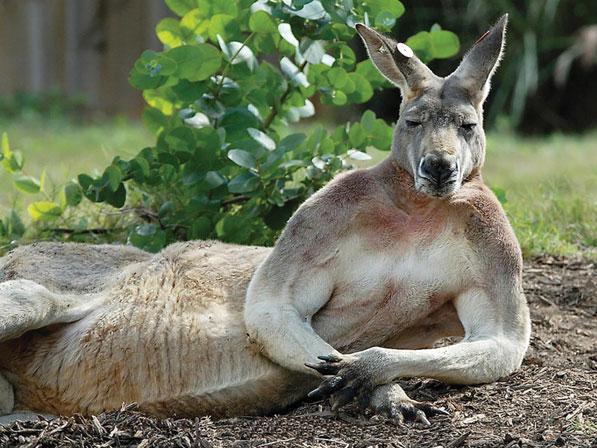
point(395, 61)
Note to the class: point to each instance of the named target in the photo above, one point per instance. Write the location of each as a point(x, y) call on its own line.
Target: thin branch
point(270, 118)
point(99, 231)
point(223, 75)
point(235, 200)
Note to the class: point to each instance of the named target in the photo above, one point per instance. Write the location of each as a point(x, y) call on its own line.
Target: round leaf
point(197, 62)
point(27, 184)
point(242, 158)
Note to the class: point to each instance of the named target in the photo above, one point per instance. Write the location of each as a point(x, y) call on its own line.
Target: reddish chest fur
point(386, 224)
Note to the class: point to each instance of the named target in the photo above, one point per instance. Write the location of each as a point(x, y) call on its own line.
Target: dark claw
point(327, 387)
point(432, 410)
point(323, 367)
point(343, 397)
point(408, 411)
point(330, 358)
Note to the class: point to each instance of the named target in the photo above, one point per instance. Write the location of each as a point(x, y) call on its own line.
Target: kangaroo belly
point(171, 337)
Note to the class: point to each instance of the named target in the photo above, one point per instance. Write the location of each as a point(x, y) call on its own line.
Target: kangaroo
point(368, 274)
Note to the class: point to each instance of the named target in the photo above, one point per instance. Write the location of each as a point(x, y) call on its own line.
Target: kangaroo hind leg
point(26, 306)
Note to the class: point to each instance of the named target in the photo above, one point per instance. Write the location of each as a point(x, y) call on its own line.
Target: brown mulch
point(550, 402)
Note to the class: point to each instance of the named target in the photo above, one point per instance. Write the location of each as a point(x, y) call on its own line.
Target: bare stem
point(274, 111)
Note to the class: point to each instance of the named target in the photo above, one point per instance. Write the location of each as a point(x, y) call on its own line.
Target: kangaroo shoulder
point(319, 223)
point(487, 227)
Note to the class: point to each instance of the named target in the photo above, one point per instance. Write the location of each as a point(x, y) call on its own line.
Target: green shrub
point(233, 76)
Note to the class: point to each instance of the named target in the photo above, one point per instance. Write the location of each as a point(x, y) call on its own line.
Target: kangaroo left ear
point(478, 65)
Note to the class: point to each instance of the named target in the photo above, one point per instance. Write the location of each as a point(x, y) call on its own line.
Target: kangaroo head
point(439, 137)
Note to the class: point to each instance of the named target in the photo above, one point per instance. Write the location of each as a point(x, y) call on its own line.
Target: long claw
point(422, 418)
point(323, 367)
point(343, 397)
point(408, 411)
point(330, 358)
point(327, 387)
point(432, 410)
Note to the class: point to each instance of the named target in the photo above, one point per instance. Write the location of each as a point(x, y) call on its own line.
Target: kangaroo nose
point(437, 168)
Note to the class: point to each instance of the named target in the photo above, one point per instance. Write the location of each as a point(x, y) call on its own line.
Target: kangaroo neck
point(400, 186)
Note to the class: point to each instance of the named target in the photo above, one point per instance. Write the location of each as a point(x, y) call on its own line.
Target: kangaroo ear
point(395, 61)
point(478, 65)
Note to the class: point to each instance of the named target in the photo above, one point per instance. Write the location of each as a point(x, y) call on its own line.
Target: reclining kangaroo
point(368, 274)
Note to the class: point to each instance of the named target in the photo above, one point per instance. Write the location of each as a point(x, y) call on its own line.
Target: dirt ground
point(550, 402)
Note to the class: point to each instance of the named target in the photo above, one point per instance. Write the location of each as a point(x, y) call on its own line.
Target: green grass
point(551, 190)
point(66, 150)
point(550, 182)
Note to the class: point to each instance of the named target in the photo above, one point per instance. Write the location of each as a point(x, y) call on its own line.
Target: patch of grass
point(551, 190)
point(66, 149)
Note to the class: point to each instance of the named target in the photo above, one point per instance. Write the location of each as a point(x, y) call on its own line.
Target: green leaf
point(11, 161)
point(262, 138)
point(196, 62)
point(357, 135)
point(242, 158)
point(71, 194)
point(368, 71)
point(225, 26)
point(44, 211)
point(243, 183)
point(337, 77)
point(444, 44)
point(5, 145)
point(27, 184)
point(363, 90)
point(169, 33)
point(393, 7)
point(339, 98)
point(234, 228)
point(210, 8)
point(385, 20)
point(291, 142)
point(143, 82)
point(262, 22)
point(200, 229)
point(117, 198)
point(112, 177)
point(148, 237)
point(181, 7)
point(213, 179)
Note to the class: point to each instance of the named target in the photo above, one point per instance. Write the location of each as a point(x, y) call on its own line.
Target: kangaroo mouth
point(443, 186)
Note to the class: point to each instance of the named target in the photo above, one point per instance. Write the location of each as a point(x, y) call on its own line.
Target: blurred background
point(67, 105)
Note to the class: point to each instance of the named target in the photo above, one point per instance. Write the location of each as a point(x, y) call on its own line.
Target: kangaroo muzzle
point(438, 175)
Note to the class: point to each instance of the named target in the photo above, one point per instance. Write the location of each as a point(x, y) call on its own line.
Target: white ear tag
point(405, 50)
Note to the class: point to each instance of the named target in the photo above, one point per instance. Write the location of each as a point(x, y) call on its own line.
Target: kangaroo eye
point(468, 126)
point(412, 124)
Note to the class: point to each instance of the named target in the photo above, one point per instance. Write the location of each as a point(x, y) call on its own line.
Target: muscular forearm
point(468, 362)
point(286, 338)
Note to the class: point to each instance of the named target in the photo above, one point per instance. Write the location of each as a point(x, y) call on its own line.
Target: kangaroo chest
point(381, 292)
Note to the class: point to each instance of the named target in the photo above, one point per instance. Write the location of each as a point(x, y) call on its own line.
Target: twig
point(459, 441)
point(276, 441)
point(235, 200)
point(270, 118)
point(99, 231)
